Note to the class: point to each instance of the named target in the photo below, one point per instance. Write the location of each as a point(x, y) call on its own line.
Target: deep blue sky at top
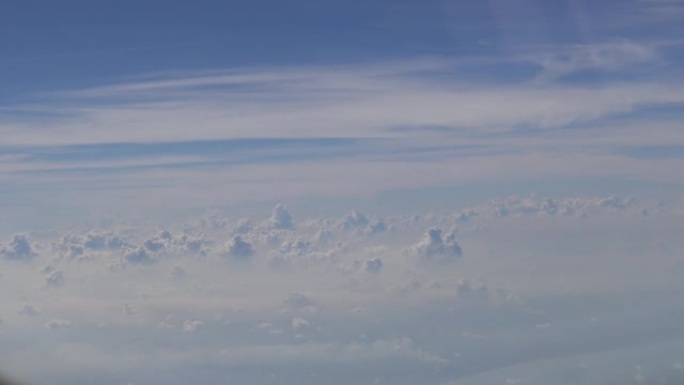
point(47, 45)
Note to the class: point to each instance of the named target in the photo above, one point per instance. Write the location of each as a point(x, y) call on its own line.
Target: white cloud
point(208, 313)
point(155, 244)
point(300, 323)
point(437, 247)
point(19, 248)
point(243, 226)
point(376, 227)
point(239, 248)
point(138, 256)
point(351, 102)
point(395, 139)
point(606, 57)
point(280, 218)
point(355, 220)
point(101, 240)
point(507, 130)
point(195, 244)
point(166, 235)
point(191, 326)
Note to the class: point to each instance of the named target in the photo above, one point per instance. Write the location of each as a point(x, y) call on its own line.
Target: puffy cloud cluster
point(297, 247)
point(280, 219)
point(184, 244)
point(376, 226)
point(355, 220)
point(18, 248)
point(366, 297)
point(133, 247)
point(243, 226)
point(78, 246)
point(155, 244)
point(138, 256)
point(238, 248)
point(358, 221)
point(103, 240)
point(532, 205)
point(435, 246)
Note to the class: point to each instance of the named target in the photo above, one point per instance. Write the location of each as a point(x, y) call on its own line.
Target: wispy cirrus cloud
point(362, 120)
point(350, 101)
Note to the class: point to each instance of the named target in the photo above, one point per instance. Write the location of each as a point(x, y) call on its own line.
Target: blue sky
point(376, 192)
point(100, 94)
point(68, 44)
point(97, 94)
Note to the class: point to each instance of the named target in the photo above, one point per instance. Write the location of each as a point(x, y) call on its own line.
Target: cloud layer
point(512, 281)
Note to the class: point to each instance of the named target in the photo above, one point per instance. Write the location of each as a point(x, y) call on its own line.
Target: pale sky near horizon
point(398, 192)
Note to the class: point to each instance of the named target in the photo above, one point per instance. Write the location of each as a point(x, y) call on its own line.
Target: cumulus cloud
point(239, 248)
point(280, 218)
point(84, 246)
point(465, 215)
point(18, 248)
point(376, 227)
point(70, 246)
point(437, 247)
point(166, 235)
point(326, 278)
point(103, 240)
point(360, 222)
point(322, 236)
point(155, 244)
point(195, 244)
point(138, 256)
point(297, 247)
point(355, 220)
point(243, 226)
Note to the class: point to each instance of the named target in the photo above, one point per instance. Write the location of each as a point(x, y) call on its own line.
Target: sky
point(337, 192)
